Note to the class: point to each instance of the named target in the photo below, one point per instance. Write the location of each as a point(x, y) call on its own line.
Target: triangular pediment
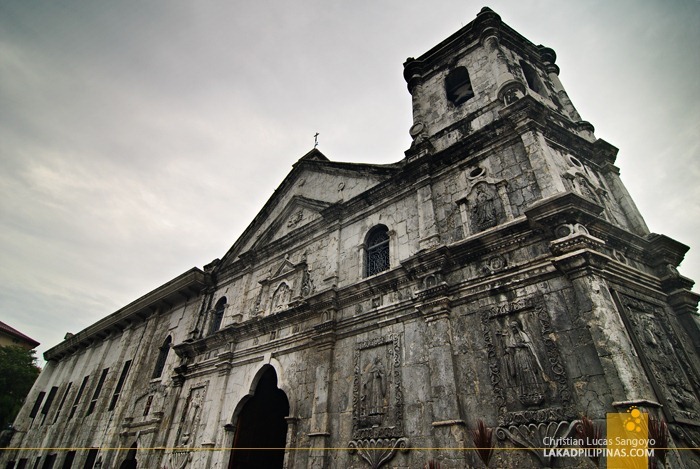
point(285, 267)
point(314, 184)
point(299, 212)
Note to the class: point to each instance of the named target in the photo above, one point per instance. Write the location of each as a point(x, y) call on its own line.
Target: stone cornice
point(181, 288)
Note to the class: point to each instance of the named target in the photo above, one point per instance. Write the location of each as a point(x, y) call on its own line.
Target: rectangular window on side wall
point(76, 402)
point(37, 404)
point(49, 461)
point(91, 458)
point(49, 400)
point(120, 385)
point(63, 401)
point(68, 462)
point(147, 409)
point(96, 393)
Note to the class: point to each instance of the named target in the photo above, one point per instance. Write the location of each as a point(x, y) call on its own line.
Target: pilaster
point(324, 338)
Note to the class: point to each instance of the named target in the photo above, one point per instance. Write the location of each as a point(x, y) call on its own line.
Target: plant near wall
point(588, 431)
point(483, 441)
point(658, 433)
point(18, 371)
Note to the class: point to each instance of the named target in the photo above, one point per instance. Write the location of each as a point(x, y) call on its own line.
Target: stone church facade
point(372, 315)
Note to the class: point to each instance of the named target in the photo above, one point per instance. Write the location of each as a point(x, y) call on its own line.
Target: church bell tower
point(533, 174)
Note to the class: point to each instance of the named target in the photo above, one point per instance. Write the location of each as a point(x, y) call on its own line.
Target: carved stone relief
point(190, 417)
point(529, 382)
point(377, 390)
point(377, 452)
point(295, 219)
point(486, 204)
point(663, 358)
point(580, 183)
point(281, 298)
point(284, 287)
point(535, 437)
point(307, 284)
point(486, 210)
point(377, 398)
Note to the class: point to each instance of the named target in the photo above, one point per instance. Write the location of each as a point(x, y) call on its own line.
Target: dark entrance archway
point(261, 424)
point(130, 461)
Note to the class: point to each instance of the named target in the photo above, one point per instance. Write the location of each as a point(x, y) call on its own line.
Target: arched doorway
point(261, 424)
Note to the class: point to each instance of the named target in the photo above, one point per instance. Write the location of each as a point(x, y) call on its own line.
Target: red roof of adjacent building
point(14, 332)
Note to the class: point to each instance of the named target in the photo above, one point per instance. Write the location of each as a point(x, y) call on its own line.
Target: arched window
point(377, 250)
point(218, 315)
point(162, 357)
point(458, 86)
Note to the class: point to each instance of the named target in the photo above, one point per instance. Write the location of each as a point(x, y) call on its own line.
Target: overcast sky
point(138, 139)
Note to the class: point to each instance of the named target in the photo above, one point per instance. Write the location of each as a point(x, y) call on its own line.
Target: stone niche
point(485, 203)
point(664, 358)
point(529, 383)
point(377, 390)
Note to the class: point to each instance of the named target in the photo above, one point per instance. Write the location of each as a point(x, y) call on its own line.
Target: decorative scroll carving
point(663, 357)
point(179, 459)
point(529, 382)
point(532, 437)
point(377, 390)
point(495, 264)
point(376, 452)
point(295, 219)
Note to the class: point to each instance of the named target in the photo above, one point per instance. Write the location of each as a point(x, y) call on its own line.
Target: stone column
point(447, 419)
point(543, 167)
point(324, 337)
point(549, 57)
point(578, 258)
point(427, 228)
point(215, 420)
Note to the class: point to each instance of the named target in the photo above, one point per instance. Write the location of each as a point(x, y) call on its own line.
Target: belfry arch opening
point(261, 428)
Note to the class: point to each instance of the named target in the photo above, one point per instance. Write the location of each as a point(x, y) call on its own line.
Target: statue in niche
point(282, 297)
point(307, 285)
point(485, 211)
point(374, 392)
point(523, 366)
point(190, 418)
point(585, 189)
